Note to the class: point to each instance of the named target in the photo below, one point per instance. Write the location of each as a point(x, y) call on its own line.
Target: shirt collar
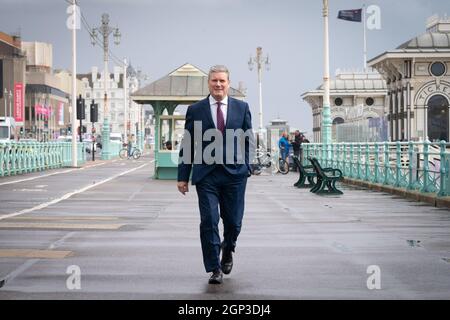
point(213, 101)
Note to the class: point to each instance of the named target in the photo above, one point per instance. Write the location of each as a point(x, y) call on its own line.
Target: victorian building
point(418, 80)
point(93, 84)
point(354, 96)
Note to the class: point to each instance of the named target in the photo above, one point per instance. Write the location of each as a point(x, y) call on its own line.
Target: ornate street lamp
point(105, 30)
point(259, 60)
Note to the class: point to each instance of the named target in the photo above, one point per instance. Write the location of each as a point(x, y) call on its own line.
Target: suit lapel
point(230, 111)
point(207, 108)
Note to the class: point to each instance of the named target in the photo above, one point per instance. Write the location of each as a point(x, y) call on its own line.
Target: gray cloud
point(161, 35)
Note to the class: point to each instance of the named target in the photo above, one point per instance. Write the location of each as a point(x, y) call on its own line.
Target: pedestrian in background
point(296, 145)
point(283, 145)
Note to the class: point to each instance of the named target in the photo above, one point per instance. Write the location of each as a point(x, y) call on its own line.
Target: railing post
point(377, 162)
point(344, 159)
point(13, 151)
point(338, 155)
point(305, 153)
point(32, 150)
point(2, 159)
point(398, 164)
point(426, 170)
point(333, 161)
point(351, 174)
point(8, 159)
point(329, 154)
point(37, 155)
point(443, 187)
point(358, 163)
point(386, 163)
point(367, 164)
point(410, 166)
point(53, 154)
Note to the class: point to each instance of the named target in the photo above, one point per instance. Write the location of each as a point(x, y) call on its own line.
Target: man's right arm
point(186, 154)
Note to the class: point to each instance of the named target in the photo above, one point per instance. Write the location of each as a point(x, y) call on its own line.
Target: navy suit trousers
point(220, 195)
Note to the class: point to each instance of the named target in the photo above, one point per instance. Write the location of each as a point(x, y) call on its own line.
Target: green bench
point(305, 173)
point(326, 179)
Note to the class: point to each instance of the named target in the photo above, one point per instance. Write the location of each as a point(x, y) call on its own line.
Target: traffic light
point(81, 114)
point(94, 111)
point(83, 130)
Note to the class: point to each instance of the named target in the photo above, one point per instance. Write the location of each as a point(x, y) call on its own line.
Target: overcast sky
point(158, 36)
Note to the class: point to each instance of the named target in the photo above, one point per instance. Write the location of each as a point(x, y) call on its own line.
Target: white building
point(354, 96)
point(418, 79)
point(94, 91)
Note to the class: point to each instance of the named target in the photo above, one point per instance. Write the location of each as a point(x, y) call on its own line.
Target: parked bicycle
point(264, 159)
point(282, 166)
point(134, 153)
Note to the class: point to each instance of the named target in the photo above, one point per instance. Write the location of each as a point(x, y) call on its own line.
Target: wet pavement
point(110, 231)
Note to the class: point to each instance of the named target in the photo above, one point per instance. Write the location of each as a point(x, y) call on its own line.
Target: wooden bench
point(326, 178)
point(306, 173)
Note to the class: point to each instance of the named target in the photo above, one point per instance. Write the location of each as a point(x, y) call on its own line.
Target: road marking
point(38, 177)
point(50, 218)
point(29, 263)
point(34, 254)
point(61, 226)
point(59, 172)
point(68, 195)
point(52, 174)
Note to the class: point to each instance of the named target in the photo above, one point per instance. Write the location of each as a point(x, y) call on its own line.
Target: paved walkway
point(133, 237)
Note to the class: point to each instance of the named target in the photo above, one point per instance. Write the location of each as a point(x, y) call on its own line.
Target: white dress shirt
point(223, 107)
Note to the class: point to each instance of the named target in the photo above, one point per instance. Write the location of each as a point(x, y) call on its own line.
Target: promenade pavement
point(133, 237)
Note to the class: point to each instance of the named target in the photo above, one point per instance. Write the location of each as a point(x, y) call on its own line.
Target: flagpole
point(365, 39)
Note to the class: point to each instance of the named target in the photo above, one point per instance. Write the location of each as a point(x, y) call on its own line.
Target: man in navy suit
point(220, 168)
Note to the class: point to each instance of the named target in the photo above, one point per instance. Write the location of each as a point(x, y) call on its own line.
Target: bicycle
point(263, 159)
point(135, 152)
point(282, 166)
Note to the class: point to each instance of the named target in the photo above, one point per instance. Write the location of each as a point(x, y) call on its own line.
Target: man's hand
point(183, 186)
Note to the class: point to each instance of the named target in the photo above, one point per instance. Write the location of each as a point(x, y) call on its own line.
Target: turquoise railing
point(24, 157)
point(422, 166)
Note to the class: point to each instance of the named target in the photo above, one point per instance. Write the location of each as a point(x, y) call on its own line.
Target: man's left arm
point(250, 141)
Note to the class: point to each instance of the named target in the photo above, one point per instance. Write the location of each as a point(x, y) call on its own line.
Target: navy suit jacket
point(238, 117)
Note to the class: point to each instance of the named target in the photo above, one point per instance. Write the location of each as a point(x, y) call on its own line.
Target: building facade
point(48, 94)
point(94, 91)
point(273, 132)
point(354, 97)
point(418, 80)
point(12, 78)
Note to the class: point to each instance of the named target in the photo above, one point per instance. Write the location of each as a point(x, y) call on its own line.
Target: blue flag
point(350, 15)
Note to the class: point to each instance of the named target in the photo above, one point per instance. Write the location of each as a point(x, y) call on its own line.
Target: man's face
point(218, 85)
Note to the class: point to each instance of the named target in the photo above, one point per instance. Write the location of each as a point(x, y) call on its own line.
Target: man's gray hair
point(218, 68)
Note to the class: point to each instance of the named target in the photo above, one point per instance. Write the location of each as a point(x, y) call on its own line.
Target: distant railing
point(24, 157)
point(422, 166)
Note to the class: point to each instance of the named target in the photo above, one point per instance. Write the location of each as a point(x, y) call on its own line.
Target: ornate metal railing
point(422, 166)
point(24, 157)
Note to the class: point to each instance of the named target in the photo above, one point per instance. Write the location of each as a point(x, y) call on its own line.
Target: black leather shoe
point(227, 261)
point(216, 277)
